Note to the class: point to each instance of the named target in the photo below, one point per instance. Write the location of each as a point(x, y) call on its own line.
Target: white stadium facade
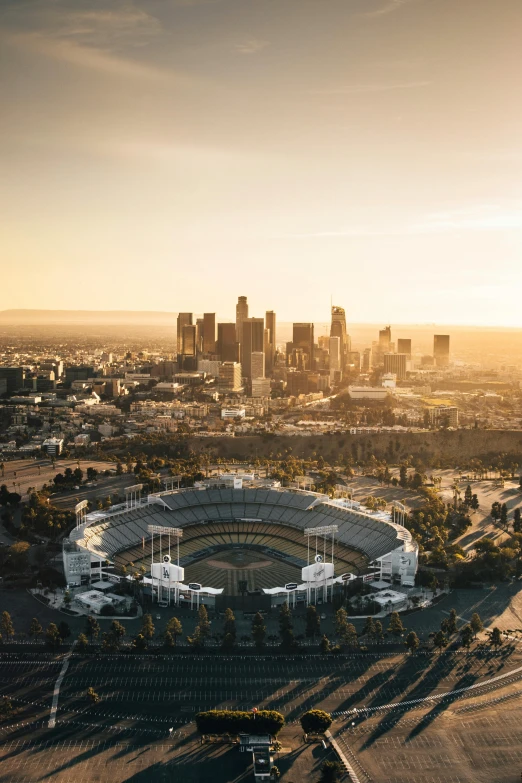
point(238, 536)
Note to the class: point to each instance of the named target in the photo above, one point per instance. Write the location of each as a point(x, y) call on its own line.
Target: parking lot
point(142, 697)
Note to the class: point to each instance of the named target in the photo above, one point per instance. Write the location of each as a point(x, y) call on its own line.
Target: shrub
point(316, 721)
point(236, 722)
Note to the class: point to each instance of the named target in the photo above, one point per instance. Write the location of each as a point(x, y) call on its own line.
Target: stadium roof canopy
point(366, 533)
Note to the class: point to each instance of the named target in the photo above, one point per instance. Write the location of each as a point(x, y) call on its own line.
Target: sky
point(173, 154)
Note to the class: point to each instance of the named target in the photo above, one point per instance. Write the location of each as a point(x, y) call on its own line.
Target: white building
point(368, 392)
point(53, 446)
point(232, 413)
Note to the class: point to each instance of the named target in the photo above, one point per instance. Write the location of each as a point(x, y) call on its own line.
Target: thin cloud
point(89, 57)
point(388, 8)
point(359, 89)
point(252, 46)
point(488, 217)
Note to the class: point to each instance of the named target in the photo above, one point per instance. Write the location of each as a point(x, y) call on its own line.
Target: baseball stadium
point(240, 540)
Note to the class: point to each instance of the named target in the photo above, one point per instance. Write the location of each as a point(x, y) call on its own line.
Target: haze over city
point(153, 153)
point(260, 391)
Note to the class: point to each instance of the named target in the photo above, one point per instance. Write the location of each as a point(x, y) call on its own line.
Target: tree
point(174, 628)
point(452, 621)
point(52, 636)
point(396, 627)
point(285, 618)
point(440, 640)
point(495, 639)
point(341, 621)
point(91, 474)
point(315, 721)
point(495, 511)
point(517, 523)
point(82, 643)
point(258, 630)
point(468, 496)
point(476, 624)
point(475, 505)
point(19, 555)
point(147, 628)
point(67, 598)
point(412, 641)
point(92, 696)
point(35, 629)
point(330, 772)
point(64, 630)
point(168, 640)
point(92, 628)
point(313, 621)
point(369, 628)
point(139, 643)
point(378, 633)
point(118, 629)
point(6, 625)
point(466, 636)
point(203, 622)
point(78, 475)
point(324, 645)
point(229, 626)
point(228, 642)
point(504, 516)
point(403, 476)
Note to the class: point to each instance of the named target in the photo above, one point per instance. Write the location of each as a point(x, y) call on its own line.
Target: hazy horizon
point(174, 155)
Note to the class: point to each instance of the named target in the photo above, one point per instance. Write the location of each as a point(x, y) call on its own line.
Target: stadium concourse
point(252, 539)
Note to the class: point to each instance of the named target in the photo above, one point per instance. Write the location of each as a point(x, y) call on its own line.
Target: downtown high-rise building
point(230, 376)
point(253, 330)
point(303, 340)
point(241, 316)
point(209, 333)
point(184, 319)
point(441, 349)
point(189, 340)
point(227, 344)
point(338, 329)
point(396, 363)
point(385, 339)
point(404, 346)
point(270, 340)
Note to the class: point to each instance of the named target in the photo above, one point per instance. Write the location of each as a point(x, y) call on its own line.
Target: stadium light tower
point(399, 513)
point(320, 532)
point(133, 495)
point(165, 560)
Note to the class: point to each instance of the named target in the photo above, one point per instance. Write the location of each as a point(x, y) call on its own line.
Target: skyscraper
point(209, 333)
point(253, 342)
point(385, 339)
point(441, 349)
point(334, 345)
point(241, 316)
point(395, 363)
point(270, 321)
point(338, 329)
point(257, 364)
point(404, 346)
point(189, 340)
point(303, 338)
point(184, 319)
point(227, 345)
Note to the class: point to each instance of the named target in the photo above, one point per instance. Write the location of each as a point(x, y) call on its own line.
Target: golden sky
point(173, 154)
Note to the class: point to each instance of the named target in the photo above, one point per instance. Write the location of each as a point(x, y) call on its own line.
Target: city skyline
point(364, 151)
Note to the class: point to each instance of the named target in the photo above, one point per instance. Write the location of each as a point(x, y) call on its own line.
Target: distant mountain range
point(94, 317)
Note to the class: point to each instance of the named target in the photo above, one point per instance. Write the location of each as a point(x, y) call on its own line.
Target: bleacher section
point(200, 542)
point(269, 517)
